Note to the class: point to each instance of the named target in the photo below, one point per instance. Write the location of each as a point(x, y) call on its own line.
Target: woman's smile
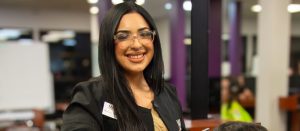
point(136, 58)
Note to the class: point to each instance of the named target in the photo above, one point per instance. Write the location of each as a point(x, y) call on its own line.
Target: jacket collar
point(160, 104)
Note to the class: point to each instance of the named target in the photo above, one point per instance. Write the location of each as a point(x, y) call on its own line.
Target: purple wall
point(235, 45)
point(178, 56)
point(214, 47)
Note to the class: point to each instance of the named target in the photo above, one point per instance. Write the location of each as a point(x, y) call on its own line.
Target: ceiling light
point(94, 10)
point(187, 5)
point(293, 8)
point(168, 6)
point(256, 8)
point(140, 2)
point(92, 1)
point(116, 1)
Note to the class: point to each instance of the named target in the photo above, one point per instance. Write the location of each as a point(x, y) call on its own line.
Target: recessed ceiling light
point(116, 1)
point(168, 6)
point(256, 8)
point(94, 10)
point(140, 2)
point(187, 5)
point(292, 8)
point(92, 1)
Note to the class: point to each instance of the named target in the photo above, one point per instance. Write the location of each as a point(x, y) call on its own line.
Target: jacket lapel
point(160, 103)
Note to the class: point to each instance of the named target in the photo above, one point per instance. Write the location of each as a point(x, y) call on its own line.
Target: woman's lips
point(136, 58)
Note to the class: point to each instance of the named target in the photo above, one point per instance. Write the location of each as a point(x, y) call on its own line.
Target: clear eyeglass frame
point(139, 37)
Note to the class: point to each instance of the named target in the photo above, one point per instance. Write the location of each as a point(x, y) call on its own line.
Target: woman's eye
point(146, 34)
point(122, 36)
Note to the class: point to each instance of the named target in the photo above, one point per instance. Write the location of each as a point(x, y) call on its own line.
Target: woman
point(130, 94)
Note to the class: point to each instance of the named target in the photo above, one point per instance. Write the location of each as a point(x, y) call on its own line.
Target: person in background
point(246, 94)
point(130, 94)
point(231, 110)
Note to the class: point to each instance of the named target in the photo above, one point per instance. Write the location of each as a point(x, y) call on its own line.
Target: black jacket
point(85, 110)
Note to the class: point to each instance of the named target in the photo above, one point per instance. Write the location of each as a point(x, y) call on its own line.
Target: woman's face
point(133, 46)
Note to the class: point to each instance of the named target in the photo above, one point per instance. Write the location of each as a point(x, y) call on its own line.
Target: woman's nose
point(136, 44)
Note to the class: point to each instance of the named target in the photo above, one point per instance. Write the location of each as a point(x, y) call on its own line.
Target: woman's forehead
point(132, 21)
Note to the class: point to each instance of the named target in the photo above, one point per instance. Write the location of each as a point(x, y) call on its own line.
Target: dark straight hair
point(125, 107)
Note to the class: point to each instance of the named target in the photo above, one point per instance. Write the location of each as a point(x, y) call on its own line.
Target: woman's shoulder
point(169, 92)
point(90, 89)
point(85, 105)
point(169, 88)
point(90, 83)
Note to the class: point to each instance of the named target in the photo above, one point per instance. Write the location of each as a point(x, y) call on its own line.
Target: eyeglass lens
point(143, 36)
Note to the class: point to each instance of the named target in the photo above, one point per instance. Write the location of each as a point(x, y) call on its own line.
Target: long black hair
point(125, 107)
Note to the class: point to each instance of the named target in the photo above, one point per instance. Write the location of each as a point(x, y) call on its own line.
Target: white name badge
point(108, 110)
point(179, 124)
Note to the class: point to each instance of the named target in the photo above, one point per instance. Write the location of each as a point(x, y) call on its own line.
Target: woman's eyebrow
point(144, 28)
point(127, 31)
point(122, 31)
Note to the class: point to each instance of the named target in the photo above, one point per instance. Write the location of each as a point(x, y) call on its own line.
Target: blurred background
point(46, 47)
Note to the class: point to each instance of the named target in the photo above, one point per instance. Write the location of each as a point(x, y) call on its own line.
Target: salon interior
point(47, 47)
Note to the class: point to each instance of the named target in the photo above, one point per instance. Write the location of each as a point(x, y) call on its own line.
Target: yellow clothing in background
point(235, 113)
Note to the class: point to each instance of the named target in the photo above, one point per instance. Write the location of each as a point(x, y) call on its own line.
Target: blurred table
point(292, 104)
point(202, 124)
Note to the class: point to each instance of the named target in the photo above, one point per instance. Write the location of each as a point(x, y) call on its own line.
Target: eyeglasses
point(144, 36)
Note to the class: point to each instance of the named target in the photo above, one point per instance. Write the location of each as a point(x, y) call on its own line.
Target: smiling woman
point(130, 94)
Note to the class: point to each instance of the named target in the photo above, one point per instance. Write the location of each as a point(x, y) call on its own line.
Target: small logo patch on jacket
point(108, 110)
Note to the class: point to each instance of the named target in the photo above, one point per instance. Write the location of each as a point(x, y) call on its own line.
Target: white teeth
point(136, 56)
